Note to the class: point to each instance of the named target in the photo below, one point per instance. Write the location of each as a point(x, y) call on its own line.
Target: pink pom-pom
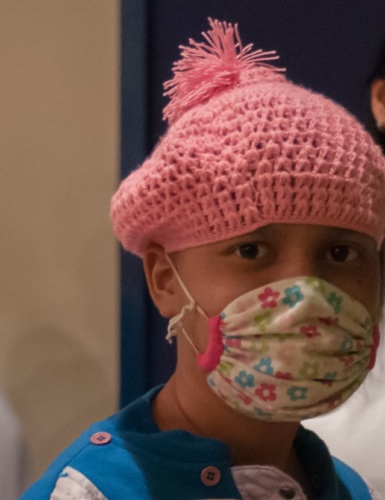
point(206, 69)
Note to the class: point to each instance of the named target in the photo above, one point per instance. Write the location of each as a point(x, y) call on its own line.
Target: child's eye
point(342, 253)
point(250, 251)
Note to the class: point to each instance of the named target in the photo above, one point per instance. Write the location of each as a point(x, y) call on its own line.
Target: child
point(260, 217)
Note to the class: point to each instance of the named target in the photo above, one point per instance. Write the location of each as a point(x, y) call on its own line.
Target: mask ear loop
point(174, 323)
point(210, 358)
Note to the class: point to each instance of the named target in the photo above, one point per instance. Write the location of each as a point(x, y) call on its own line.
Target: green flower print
point(263, 320)
point(296, 393)
point(259, 347)
point(293, 296)
point(316, 284)
point(282, 337)
point(309, 370)
point(225, 368)
point(335, 301)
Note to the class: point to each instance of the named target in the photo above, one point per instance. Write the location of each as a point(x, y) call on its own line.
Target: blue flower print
point(211, 382)
point(335, 301)
point(262, 414)
point(264, 366)
point(295, 393)
point(347, 344)
point(330, 376)
point(293, 296)
point(245, 379)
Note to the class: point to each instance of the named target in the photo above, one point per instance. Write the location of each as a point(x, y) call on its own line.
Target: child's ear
point(378, 101)
point(160, 280)
point(382, 283)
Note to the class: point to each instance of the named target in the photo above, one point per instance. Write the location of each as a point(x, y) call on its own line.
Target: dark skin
point(215, 275)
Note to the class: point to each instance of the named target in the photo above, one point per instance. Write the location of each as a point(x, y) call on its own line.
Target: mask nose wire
point(175, 321)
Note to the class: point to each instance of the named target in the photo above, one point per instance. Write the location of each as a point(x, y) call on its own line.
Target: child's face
point(218, 273)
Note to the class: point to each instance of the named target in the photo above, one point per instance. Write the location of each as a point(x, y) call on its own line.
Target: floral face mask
point(291, 350)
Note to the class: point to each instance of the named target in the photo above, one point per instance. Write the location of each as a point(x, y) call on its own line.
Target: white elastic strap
point(175, 321)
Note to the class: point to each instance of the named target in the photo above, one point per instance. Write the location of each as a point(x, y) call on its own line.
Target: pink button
point(210, 476)
point(101, 438)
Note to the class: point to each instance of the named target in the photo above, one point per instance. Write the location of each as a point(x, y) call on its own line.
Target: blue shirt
point(135, 460)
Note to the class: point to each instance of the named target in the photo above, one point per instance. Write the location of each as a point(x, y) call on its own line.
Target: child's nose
point(301, 265)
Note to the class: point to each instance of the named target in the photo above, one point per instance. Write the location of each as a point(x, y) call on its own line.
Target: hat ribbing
point(247, 148)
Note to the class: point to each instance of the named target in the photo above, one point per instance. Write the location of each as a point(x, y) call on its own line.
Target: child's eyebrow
point(338, 232)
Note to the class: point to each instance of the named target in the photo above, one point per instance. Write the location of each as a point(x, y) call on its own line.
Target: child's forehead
point(277, 229)
point(302, 235)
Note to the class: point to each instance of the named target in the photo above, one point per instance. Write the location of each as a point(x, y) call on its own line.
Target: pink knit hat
point(246, 148)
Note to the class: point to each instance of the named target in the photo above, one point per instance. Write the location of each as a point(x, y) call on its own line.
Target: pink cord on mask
point(209, 359)
point(376, 342)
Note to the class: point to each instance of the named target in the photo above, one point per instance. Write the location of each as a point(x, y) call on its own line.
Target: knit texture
point(252, 149)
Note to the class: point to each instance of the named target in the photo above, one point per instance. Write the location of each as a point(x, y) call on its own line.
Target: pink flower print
point(233, 342)
point(310, 331)
point(245, 399)
point(335, 402)
point(268, 298)
point(359, 345)
point(262, 414)
point(329, 321)
point(284, 375)
point(346, 360)
point(266, 392)
point(309, 370)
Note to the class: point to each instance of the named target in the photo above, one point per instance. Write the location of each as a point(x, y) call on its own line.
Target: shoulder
point(331, 478)
point(353, 482)
point(103, 450)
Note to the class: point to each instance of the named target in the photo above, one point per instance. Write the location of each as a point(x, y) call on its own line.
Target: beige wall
point(59, 65)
